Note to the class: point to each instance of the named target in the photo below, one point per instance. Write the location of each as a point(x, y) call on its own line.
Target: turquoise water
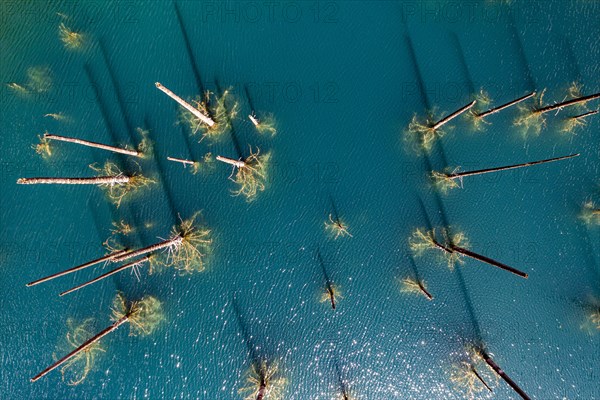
point(340, 79)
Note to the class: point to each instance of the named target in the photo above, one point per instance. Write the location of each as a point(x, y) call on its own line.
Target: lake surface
point(343, 80)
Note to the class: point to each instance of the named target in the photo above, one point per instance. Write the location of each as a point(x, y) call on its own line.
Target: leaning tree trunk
point(208, 121)
point(107, 274)
point(77, 268)
point(99, 180)
point(483, 382)
point(175, 241)
point(93, 144)
point(504, 106)
point(505, 377)
point(568, 103)
point(231, 161)
point(450, 117)
point(488, 260)
point(82, 347)
point(262, 390)
point(331, 296)
point(425, 291)
point(458, 175)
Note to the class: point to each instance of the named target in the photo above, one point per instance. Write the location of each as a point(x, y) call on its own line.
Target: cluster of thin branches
point(264, 379)
point(76, 369)
point(422, 241)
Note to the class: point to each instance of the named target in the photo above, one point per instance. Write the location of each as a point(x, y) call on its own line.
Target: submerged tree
point(116, 193)
point(201, 114)
point(143, 317)
point(39, 80)
point(58, 117)
point(529, 121)
point(445, 181)
point(263, 382)
point(223, 110)
point(108, 180)
point(43, 148)
point(210, 115)
point(581, 112)
point(71, 40)
point(190, 255)
point(331, 293)
point(185, 251)
point(533, 119)
point(250, 173)
point(482, 101)
point(17, 88)
point(477, 116)
point(151, 260)
point(453, 248)
point(594, 317)
point(47, 136)
point(265, 124)
point(424, 133)
point(342, 392)
point(590, 213)
point(591, 325)
point(336, 227)
point(486, 357)
point(570, 124)
point(575, 91)
point(146, 146)
point(122, 228)
point(591, 309)
point(414, 286)
point(196, 166)
point(117, 184)
point(422, 241)
point(76, 369)
point(104, 259)
point(466, 379)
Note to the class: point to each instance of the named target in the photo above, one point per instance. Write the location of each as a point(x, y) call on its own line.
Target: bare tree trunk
point(231, 161)
point(441, 246)
point(488, 260)
point(458, 175)
point(450, 117)
point(254, 120)
point(568, 103)
point(106, 275)
point(505, 106)
point(505, 377)
point(93, 144)
point(208, 121)
point(331, 297)
point(584, 115)
point(425, 292)
point(181, 160)
point(99, 180)
point(481, 379)
point(83, 346)
point(149, 249)
point(262, 390)
point(78, 268)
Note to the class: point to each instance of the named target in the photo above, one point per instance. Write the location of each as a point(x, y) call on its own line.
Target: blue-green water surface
point(341, 82)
